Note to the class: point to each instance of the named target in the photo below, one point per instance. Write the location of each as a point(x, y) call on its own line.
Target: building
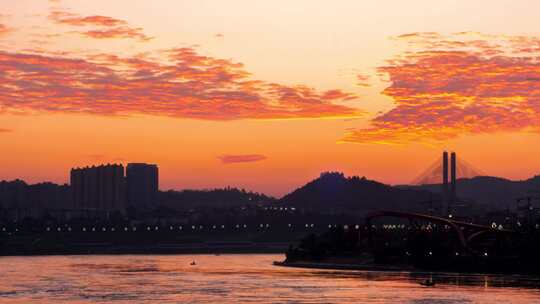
point(99, 190)
point(142, 185)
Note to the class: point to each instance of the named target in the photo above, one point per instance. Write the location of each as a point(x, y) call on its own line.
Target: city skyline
point(138, 178)
point(264, 96)
point(306, 151)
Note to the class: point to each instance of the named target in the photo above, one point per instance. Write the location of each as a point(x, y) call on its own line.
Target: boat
point(428, 283)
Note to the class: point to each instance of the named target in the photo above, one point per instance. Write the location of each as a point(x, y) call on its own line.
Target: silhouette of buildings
point(12, 194)
point(19, 200)
point(99, 189)
point(142, 185)
point(103, 190)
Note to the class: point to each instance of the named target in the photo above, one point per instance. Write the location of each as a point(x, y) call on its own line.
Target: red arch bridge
point(465, 233)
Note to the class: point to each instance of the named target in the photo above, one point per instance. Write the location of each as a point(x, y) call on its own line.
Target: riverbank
point(340, 266)
point(396, 268)
point(112, 249)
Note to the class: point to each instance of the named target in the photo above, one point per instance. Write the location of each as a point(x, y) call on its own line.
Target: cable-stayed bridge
point(434, 174)
point(445, 171)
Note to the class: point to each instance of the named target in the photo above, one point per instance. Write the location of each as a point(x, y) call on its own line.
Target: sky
point(265, 95)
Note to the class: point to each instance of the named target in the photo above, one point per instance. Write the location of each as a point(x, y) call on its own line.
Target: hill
point(333, 192)
point(226, 197)
point(490, 191)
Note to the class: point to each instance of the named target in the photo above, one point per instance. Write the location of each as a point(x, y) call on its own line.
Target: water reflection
point(238, 279)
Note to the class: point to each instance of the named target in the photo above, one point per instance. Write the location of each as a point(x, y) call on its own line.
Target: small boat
point(428, 283)
point(192, 263)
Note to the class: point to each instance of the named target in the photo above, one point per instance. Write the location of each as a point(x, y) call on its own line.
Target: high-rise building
point(99, 189)
point(142, 185)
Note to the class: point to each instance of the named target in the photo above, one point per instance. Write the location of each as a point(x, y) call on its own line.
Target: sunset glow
point(265, 95)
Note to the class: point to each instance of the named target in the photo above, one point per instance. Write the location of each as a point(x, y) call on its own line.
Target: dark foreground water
point(237, 279)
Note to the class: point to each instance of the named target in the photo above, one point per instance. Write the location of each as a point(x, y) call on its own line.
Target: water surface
point(237, 279)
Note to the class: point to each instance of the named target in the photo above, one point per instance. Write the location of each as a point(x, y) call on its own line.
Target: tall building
point(99, 190)
point(142, 185)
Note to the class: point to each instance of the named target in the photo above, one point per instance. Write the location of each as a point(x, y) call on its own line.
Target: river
point(240, 278)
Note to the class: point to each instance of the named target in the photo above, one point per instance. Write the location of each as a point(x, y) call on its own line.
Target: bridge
point(440, 172)
point(465, 233)
point(434, 174)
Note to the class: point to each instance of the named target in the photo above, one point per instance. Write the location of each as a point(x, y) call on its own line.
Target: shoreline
point(249, 248)
point(334, 266)
point(386, 268)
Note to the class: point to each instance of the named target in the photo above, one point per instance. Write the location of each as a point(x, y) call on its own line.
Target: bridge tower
point(444, 173)
point(444, 184)
point(453, 185)
point(449, 191)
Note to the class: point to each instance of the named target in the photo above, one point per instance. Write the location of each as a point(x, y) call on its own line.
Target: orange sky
point(265, 95)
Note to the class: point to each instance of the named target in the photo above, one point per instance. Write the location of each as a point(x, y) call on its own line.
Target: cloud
point(419, 35)
point(455, 85)
point(363, 80)
point(241, 158)
point(107, 27)
point(62, 17)
point(48, 36)
point(4, 30)
point(219, 35)
point(182, 84)
point(117, 32)
point(2, 130)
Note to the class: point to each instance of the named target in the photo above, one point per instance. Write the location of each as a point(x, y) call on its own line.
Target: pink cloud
point(184, 84)
point(67, 18)
point(241, 158)
point(117, 32)
point(363, 80)
point(107, 27)
point(4, 30)
point(452, 86)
